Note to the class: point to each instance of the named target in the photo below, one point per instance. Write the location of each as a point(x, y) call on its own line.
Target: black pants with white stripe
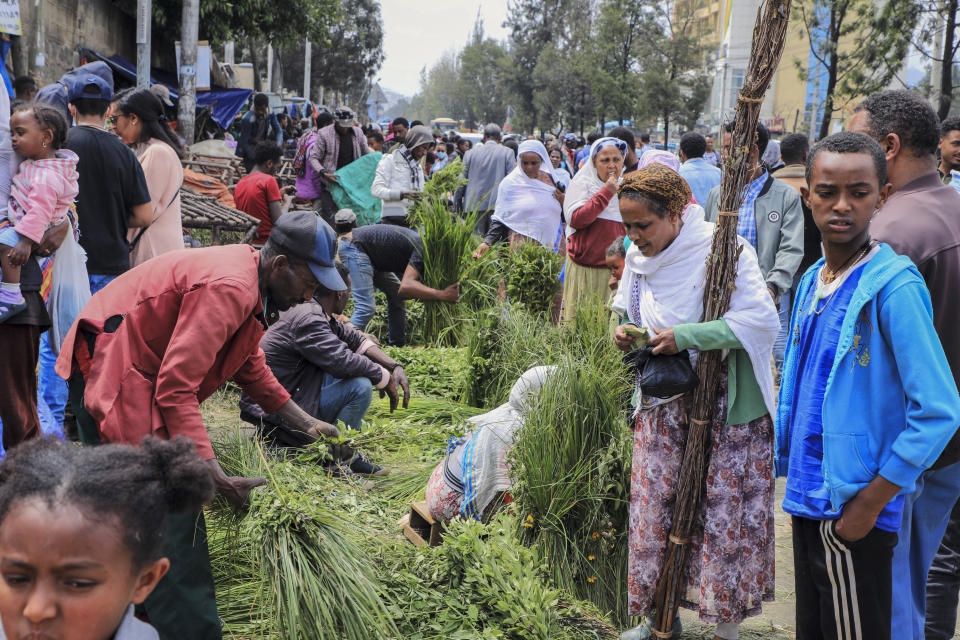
point(843, 588)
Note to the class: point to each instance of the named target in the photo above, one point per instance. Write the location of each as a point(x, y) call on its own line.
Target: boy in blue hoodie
point(867, 400)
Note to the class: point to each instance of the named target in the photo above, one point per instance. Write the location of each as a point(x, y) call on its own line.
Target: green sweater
point(744, 398)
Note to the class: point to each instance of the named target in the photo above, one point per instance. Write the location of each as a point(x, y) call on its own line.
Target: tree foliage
point(481, 85)
point(858, 48)
point(281, 23)
point(568, 65)
point(347, 60)
point(933, 26)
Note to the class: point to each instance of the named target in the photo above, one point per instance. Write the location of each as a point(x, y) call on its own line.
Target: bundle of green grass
point(571, 464)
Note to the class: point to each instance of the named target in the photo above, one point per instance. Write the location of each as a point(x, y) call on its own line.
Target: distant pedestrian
point(335, 146)
point(141, 123)
point(258, 194)
point(711, 155)
point(700, 176)
point(593, 222)
point(399, 178)
point(257, 126)
point(484, 168)
point(632, 160)
point(950, 152)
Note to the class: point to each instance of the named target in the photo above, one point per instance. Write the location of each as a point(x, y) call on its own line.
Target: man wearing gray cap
point(160, 339)
point(484, 167)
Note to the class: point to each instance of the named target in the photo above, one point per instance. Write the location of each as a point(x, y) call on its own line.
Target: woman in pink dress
point(140, 123)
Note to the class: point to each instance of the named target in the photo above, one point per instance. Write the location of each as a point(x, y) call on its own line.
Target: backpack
point(303, 148)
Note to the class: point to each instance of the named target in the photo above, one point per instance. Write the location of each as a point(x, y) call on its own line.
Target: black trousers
point(843, 588)
point(943, 583)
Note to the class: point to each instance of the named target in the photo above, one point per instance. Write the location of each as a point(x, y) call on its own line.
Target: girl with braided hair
point(730, 561)
point(82, 534)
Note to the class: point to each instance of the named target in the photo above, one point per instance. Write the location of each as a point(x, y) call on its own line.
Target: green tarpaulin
point(353, 189)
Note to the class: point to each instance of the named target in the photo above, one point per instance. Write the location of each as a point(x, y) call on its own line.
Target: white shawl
point(586, 184)
point(671, 286)
point(485, 471)
point(527, 206)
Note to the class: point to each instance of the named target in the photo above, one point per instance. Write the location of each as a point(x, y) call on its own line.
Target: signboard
point(202, 70)
point(10, 17)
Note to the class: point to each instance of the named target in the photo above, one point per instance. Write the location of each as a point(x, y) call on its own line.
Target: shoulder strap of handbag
point(143, 230)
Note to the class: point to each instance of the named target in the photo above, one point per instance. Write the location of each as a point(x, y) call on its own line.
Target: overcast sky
point(416, 36)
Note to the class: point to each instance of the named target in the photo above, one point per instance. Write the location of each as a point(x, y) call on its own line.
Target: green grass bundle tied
point(316, 580)
point(447, 248)
point(571, 464)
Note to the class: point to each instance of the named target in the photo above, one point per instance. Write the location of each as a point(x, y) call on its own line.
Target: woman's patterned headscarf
point(658, 183)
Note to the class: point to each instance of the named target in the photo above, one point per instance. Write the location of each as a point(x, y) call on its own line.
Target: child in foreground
point(82, 530)
point(42, 192)
point(867, 401)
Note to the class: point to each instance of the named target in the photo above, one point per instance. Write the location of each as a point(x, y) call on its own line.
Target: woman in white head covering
point(593, 223)
point(475, 470)
point(529, 202)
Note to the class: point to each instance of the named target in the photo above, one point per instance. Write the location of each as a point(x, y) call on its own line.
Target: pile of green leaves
point(533, 277)
point(433, 371)
point(482, 583)
point(447, 180)
point(379, 323)
point(447, 251)
point(571, 465)
point(504, 342)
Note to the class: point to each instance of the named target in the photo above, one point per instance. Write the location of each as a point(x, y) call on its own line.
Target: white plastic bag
point(69, 289)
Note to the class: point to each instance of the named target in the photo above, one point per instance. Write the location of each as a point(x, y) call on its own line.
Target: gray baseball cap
point(345, 216)
point(304, 235)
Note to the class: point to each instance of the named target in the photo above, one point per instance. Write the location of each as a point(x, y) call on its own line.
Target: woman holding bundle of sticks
point(730, 559)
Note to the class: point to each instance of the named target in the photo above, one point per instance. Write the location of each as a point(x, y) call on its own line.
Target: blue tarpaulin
point(226, 103)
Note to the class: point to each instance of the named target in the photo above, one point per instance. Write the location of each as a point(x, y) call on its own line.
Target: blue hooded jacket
point(890, 404)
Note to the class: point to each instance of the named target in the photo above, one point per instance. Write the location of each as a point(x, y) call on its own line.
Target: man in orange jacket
point(160, 339)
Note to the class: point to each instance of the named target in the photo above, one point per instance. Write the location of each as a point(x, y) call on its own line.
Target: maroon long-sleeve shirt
point(588, 246)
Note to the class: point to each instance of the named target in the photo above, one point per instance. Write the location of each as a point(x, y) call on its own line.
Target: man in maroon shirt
point(160, 339)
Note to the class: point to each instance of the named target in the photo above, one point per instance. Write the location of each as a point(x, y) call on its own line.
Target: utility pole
point(269, 67)
point(144, 15)
point(306, 70)
point(188, 69)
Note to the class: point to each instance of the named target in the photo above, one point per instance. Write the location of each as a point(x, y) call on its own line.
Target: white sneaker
point(642, 631)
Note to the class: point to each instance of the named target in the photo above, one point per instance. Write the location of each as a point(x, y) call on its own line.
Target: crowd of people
point(839, 372)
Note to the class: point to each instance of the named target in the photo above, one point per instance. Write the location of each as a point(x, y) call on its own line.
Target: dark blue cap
point(304, 235)
point(90, 86)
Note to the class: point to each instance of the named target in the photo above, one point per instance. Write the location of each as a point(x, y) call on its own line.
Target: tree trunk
point(255, 62)
point(831, 73)
point(666, 130)
point(946, 67)
point(187, 107)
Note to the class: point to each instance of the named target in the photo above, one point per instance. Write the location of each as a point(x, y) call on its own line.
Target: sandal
point(10, 309)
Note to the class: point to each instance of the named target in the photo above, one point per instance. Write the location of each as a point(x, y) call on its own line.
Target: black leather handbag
point(663, 376)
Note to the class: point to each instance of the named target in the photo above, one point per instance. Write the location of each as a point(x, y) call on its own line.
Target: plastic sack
point(69, 289)
point(353, 189)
